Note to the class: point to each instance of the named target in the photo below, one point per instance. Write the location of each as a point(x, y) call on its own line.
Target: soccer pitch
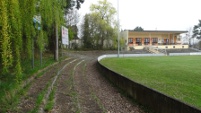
point(176, 76)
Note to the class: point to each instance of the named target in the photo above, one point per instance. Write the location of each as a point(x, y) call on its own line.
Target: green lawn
point(178, 76)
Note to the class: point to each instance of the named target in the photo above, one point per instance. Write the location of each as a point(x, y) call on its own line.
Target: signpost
point(65, 38)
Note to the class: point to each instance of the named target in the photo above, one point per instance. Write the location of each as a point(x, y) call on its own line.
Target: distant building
point(153, 38)
point(76, 43)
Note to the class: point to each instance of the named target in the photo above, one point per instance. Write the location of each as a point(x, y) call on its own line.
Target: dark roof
point(159, 31)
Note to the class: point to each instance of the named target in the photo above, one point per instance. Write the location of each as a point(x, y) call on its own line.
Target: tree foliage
point(72, 3)
point(72, 17)
point(99, 29)
point(18, 31)
point(16, 35)
point(27, 8)
point(87, 34)
point(138, 28)
point(197, 31)
point(5, 38)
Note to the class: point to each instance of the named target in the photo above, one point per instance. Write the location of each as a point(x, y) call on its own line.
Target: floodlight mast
point(118, 26)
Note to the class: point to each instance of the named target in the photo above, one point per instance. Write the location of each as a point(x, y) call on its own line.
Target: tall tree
point(5, 39)
point(16, 35)
point(72, 3)
point(72, 17)
point(17, 30)
point(87, 39)
point(27, 9)
point(197, 31)
point(102, 23)
point(138, 28)
point(52, 17)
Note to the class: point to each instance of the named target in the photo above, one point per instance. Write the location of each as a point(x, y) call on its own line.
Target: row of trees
point(18, 33)
point(99, 28)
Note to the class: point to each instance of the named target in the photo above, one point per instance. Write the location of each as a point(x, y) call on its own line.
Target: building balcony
point(158, 45)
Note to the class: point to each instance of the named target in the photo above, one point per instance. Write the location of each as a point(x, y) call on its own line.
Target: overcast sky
point(154, 14)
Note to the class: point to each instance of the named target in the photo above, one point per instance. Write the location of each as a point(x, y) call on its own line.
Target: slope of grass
point(10, 91)
point(179, 76)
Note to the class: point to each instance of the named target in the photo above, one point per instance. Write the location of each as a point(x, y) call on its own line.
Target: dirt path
point(65, 101)
point(109, 96)
point(93, 92)
point(29, 102)
point(80, 88)
point(88, 103)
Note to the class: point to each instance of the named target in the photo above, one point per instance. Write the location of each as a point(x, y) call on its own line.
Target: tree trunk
point(57, 43)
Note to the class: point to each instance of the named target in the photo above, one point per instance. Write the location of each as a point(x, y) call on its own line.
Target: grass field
point(178, 76)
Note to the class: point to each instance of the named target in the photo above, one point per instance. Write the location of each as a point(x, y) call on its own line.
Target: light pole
point(118, 25)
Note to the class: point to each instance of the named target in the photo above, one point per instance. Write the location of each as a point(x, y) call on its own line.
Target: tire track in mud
point(79, 87)
point(89, 92)
point(51, 87)
point(73, 94)
point(65, 97)
point(87, 102)
point(39, 84)
point(107, 96)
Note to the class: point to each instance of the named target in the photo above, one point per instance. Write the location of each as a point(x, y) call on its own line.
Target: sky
point(154, 14)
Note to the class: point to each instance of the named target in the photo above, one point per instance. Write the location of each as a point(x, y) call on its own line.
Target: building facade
point(153, 38)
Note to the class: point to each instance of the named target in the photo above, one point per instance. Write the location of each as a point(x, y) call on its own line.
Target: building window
point(166, 41)
point(138, 41)
point(155, 40)
point(146, 41)
point(130, 40)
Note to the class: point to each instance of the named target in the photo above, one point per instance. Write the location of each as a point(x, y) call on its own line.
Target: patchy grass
point(178, 76)
point(27, 66)
point(50, 104)
point(10, 92)
point(39, 99)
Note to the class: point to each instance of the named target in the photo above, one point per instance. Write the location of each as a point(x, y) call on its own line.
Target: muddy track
point(93, 92)
point(79, 88)
point(39, 84)
point(73, 94)
point(88, 104)
point(65, 100)
point(110, 97)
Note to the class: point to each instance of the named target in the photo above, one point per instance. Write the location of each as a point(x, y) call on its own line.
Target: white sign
point(65, 39)
point(37, 19)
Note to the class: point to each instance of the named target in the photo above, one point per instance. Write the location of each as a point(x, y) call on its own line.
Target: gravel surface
point(80, 88)
point(108, 97)
point(28, 101)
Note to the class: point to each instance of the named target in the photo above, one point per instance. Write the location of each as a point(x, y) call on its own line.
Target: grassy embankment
point(178, 77)
point(10, 92)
